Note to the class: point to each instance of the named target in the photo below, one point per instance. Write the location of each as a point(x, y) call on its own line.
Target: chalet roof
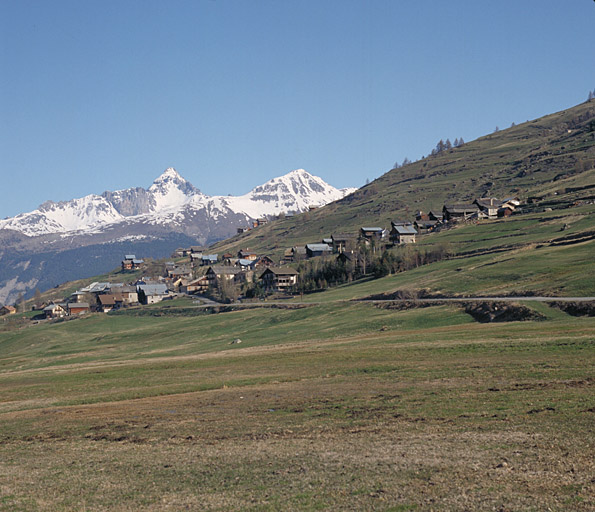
point(81, 305)
point(405, 230)
point(281, 271)
point(137, 262)
point(460, 208)
point(9, 308)
point(127, 289)
point(400, 223)
point(424, 224)
point(245, 263)
point(130, 257)
point(107, 300)
point(223, 269)
point(488, 202)
point(53, 307)
point(435, 214)
point(343, 236)
point(196, 248)
point(299, 250)
point(210, 257)
point(376, 229)
point(153, 289)
point(327, 241)
point(318, 247)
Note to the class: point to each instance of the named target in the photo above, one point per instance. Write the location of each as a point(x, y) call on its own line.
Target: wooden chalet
point(344, 242)
point(7, 310)
point(403, 234)
point(200, 285)
point(459, 212)
point(280, 279)
point(314, 250)
point(55, 311)
point(221, 272)
point(78, 308)
point(369, 234)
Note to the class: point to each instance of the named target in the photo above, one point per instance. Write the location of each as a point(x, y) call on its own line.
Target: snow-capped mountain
point(87, 236)
point(171, 200)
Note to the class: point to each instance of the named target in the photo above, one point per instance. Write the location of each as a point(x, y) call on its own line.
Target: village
point(248, 276)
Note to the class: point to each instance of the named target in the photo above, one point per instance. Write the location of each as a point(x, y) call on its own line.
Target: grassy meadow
point(334, 406)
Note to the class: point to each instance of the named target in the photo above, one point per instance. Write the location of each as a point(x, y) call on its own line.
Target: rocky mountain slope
point(86, 236)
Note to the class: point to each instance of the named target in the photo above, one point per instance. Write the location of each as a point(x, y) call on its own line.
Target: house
point(7, 310)
point(489, 205)
point(372, 234)
point(242, 230)
point(78, 308)
point(313, 250)
point(195, 249)
point(200, 285)
point(459, 212)
point(77, 296)
point(107, 302)
point(421, 216)
point(344, 242)
point(327, 241)
point(209, 259)
point(129, 295)
point(247, 254)
point(245, 264)
point(130, 262)
point(152, 293)
point(287, 255)
point(281, 279)
point(227, 257)
point(221, 272)
point(403, 234)
point(55, 311)
point(263, 261)
point(180, 272)
point(196, 257)
point(181, 252)
point(505, 211)
point(425, 226)
point(434, 215)
point(261, 222)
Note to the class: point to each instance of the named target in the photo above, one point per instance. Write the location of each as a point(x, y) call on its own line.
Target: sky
point(104, 95)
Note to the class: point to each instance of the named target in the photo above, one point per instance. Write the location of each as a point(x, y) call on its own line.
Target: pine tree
point(461, 142)
point(447, 144)
point(590, 96)
point(456, 143)
point(406, 162)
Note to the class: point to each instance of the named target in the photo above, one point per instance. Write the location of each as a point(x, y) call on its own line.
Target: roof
point(245, 263)
point(344, 236)
point(327, 241)
point(80, 305)
point(52, 307)
point(153, 289)
point(223, 269)
point(281, 271)
point(318, 247)
point(460, 208)
point(406, 230)
point(107, 300)
point(400, 223)
point(210, 257)
point(130, 257)
point(138, 262)
point(9, 308)
point(372, 229)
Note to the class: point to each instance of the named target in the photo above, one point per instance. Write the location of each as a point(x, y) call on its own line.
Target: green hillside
point(552, 158)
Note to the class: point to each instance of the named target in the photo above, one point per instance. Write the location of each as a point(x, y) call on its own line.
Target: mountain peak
point(170, 174)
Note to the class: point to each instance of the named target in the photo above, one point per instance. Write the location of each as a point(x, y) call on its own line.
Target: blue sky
point(103, 95)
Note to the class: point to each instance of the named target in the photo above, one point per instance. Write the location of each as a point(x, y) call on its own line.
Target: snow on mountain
point(86, 213)
point(295, 191)
point(171, 191)
point(173, 201)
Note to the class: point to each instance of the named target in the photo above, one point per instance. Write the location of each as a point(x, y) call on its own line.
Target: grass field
point(338, 406)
